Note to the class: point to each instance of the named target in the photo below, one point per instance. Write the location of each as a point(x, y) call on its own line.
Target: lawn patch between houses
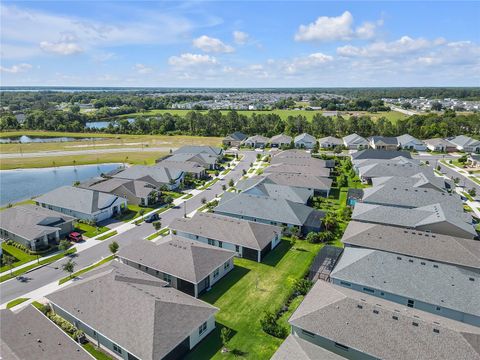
point(108, 235)
point(84, 270)
point(16, 302)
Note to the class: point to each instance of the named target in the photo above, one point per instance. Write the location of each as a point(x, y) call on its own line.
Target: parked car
point(75, 236)
point(152, 217)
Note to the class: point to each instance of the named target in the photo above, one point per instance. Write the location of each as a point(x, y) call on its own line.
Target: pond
point(22, 184)
point(104, 124)
point(24, 139)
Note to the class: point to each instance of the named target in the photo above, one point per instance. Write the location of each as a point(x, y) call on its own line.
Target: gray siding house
point(158, 176)
point(355, 142)
point(305, 141)
point(330, 142)
point(256, 141)
point(279, 141)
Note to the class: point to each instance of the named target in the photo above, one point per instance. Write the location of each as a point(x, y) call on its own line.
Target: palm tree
point(8, 260)
point(329, 220)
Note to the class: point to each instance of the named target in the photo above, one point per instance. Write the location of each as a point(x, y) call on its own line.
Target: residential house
point(263, 187)
point(388, 168)
point(466, 143)
point(356, 325)
point(382, 154)
point(294, 347)
point(248, 239)
point(158, 176)
point(408, 142)
point(30, 335)
point(355, 142)
point(422, 180)
point(207, 161)
point(305, 141)
point(256, 141)
point(440, 248)
point(383, 143)
point(297, 169)
point(192, 168)
point(234, 139)
point(330, 142)
point(136, 192)
point(268, 210)
point(440, 145)
point(319, 185)
point(300, 158)
point(82, 203)
point(187, 265)
point(200, 149)
point(417, 283)
point(434, 218)
point(280, 141)
point(134, 315)
point(34, 227)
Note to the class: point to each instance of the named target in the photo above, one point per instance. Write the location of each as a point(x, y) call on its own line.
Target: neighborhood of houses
point(405, 285)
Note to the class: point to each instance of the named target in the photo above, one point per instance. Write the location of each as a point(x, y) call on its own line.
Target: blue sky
point(240, 44)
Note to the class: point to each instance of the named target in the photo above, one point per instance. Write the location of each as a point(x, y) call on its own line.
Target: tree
point(231, 182)
point(224, 187)
point(329, 220)
point(225, 335)
point(312, 237)
point(316, 148)
point(141, 212)
point(113, 247)
point(157, 225)
point(9, 261)
point(472, 192)
point(64, 245)
point(69, 267)
point(302, 286)
point(203, 200)
point(337, 149)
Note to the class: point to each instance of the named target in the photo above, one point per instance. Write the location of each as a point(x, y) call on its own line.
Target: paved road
point(13, 289)
point(82, 152)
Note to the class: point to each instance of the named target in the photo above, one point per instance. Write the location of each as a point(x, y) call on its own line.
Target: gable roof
point(420, 244)
point(298, 169)
point(296, 348)
point(407, 138)
point(136, 187)
point(330, 140)
point(156, 175)
point(30, 335)
point(389, 140)
point(256, 138)
point(347, 317)
point(202, 159)
point(199, 149)
point(301, 180)
point(380, 154)
point(186, 166)
point(185, 259)
point(433, 282)
point(245, 233)
point(354, 139)
point(389, 169)
point(464, 141)
point(305, 137)
point(31, 221)
point(439, 141)
point(281, 139)
point(77, 199)
point(236, 136)
point(118, 301)
point(423, 179)
point(264, 186)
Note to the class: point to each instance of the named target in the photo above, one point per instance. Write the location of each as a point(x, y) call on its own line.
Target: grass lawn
point(89, 230)
point(467, 195)
point(96, 352)
point(207, 185)
point(24, 202)
point(158, 233)
point(225, 172)
point(108, 235)
point(21, 256)
point(187, 196)
point(248, 291)
point(15, 302)
point(133, 212)
point(173, 194)
point(84, 270)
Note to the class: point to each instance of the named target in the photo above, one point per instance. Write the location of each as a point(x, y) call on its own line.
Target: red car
point(75, 237)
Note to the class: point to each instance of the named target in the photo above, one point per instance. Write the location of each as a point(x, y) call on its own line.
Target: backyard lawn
point(89, 230)
point(21, 256)
point(248, 291)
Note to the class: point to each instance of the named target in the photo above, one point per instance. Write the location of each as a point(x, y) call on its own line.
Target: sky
point(240, 43)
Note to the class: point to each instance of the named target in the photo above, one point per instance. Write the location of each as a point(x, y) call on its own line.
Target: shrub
point(312, 237)
point(270, 326)
point(302, 286)
point(62, 323)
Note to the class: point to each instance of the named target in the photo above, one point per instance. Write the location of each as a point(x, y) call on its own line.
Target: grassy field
point(248, 291)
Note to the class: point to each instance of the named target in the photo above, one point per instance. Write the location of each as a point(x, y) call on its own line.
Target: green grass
point(89, 230)
point(225, 172)
point(16, 302)
point(173, 194)
point(37, 305)
point(158, 233)
point(24, 202)
point(108, 235)
point(84, 270)
point(467, 195)
point(207, 185)
point(33, 266)
point(259, 172)
point(133, 212)
point(248, 291)
point(95, 352)
point(186, 197)
point(21, 256)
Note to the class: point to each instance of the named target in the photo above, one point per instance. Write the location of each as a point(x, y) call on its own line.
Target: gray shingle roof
point(407, 138)
point(281, 139)
point(202, 159)
point(389, 140)
point(187, 166)
point(420, 244)
point(30, 221)
point(250, 234)
point(463, 141)
point(301, 180)
point(156, 175)
point(257, 139)
point(298, 161)
point(354, 139)
point(393, 274)
point(438, 141)
point(236, 136)
point(421, 180)
point(346, 316)
point(30, 335)
point(292, 153)
point(118, 301)
point(185, 259)
point(266, 208)
point(263, 186)
point(298, 169)
point(137, 187)
point(78, 199)
point(295, 348)
point(199, 149)
point(389, 169)
point(305, 137)
point(330, 140)
point(380, 154)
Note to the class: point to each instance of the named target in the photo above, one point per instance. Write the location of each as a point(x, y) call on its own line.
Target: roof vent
point(437, 331)
point(414, 323)
point(471, 279)
point(375, 311)
point(360, 306)
point(395, 317)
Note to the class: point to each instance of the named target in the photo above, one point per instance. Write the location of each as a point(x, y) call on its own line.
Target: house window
point(345, 283)
point(202, 328)
point(216, 273)
point(308, 333)
point(220, 244)
point(226, 265)
point(237, 248)
point(167, 278)
point(438, 308)
point(117, 349)
point(211, 242)
point(410, 303)
point(341, 346)
point(371, 291)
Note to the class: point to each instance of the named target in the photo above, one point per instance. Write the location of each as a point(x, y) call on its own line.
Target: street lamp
point(185, 208)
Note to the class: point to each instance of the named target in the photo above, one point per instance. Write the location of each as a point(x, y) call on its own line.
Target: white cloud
point(188, 59)
point(308, 62)
point(336, 28)
point(142, 69)
point(240, 37)
point(14, 69)
point(66, 45)
point(209, 44)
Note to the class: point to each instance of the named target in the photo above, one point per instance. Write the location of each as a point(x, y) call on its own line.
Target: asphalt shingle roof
point(281, 139)
point(137, 187)
point(380, 154)
point(295, 348)
point(265, 187)
point(298, 169)
point(199, 149)
point(301, 180)
point(156, 175)
point(330, 140)
point(354, 139)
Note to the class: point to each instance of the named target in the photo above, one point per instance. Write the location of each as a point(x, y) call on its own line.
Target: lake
point(104, 124)
point(22, 184)
point(24, 139)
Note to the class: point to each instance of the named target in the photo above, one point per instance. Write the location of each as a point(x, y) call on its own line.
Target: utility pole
point(185, 209)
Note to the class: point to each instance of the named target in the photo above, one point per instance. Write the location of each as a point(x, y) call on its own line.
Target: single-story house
point(356, 325)
point(158, 176)
point(355, 142)
point(383, 143)
point(279, 141)
point(329, 142)
point(191, 168)
point(408, 142)
point(293, 154)
point(422, 180)
point(292, 159)
point(440, 145)
point(234, 139)
point(466, 143)
point(319, 185)
point(200, 149)
point(33, 226)
point(207, 161)
point(440, 248)
point(264, 187)
point(134, 315)
point(294, 347)
point(370, 154)
point(30, 335)
point(248, 239)
point(389, 276)
point(268, 210)
point(256, 141)
point(305, 141)
point(388, 168)
point(82, 203)
point(136, 192)
point(298, 169)
point(188, 266)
